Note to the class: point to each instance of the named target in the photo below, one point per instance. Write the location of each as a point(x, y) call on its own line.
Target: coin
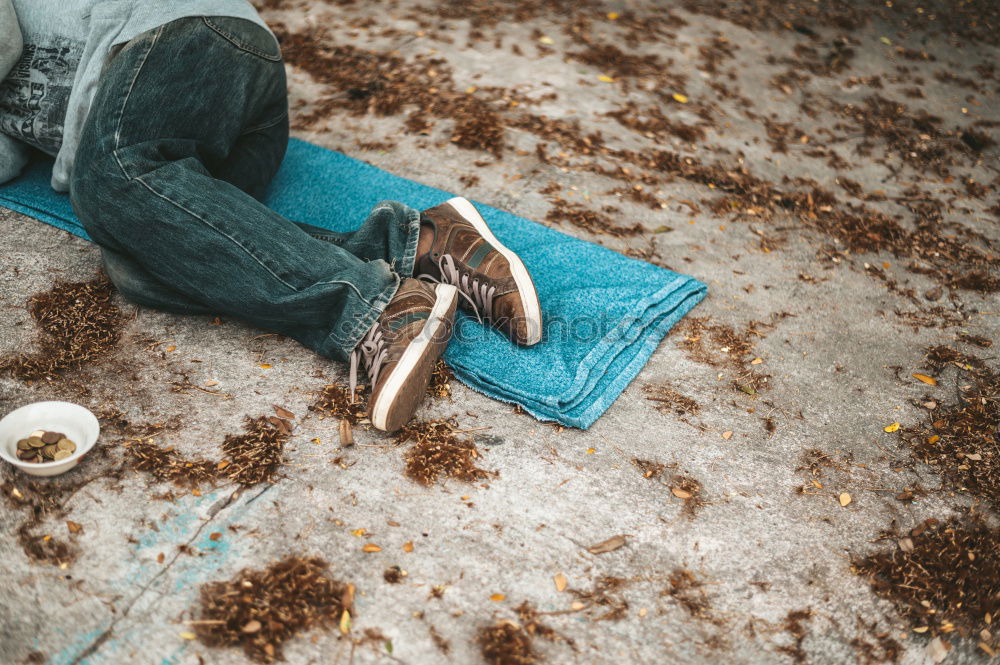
point(50, 450)
point(52, 437)
point(38, 433)
point(23, 444)
point(26, 454)
point(36, 442)
point(62, 454)
point(66, 444)
point(72, 447)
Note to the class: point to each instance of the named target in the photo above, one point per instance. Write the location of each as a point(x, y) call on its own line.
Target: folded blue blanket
point(604, 313)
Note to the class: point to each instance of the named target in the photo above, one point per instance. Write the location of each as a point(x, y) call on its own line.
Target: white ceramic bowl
point(77, 423)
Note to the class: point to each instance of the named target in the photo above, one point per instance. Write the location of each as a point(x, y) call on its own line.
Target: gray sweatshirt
point(12, 154)
point(52, 54)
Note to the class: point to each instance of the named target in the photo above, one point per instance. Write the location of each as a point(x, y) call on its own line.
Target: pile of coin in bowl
point(42, 446)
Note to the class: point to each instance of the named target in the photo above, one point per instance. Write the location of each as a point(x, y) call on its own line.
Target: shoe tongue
point(427, 266)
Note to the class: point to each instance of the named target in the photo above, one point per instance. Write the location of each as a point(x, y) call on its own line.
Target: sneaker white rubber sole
point(406, 385)
point(522, 278)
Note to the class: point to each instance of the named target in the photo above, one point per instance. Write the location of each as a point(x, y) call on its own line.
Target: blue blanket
point(604, 313)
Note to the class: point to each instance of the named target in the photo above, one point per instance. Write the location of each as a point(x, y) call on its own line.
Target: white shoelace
point(372, 350)
point(479, 296)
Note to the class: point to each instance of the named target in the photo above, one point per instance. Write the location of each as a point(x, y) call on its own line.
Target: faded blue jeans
point(189, 125)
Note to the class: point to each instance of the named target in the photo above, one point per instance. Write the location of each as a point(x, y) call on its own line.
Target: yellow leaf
point(845, 498)
point(591, 451)
point(210, 383)
point(818, 485)
point(929, 380)
point(371, 547)
point(359, 532)
point(222, 465)
point(265, 365)
point(345, 622)
point(678, 97)
point(546, 40)
point(921, 629)
point(756, 361)
point(605, 78)
point(408, 546)
point(885, 40)
point(560, 581)
point(170, 348)
point(187, 636)
point(471, 89)
point(891, 428)
point(933, 439)
point(727, 435)
point(612, 16)
point(681, 494)
point(498, 597)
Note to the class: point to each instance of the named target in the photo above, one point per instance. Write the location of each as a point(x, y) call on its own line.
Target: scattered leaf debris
point(260, 610)
point(335, 400)
point(440, 453)
point(794, 626)
point(256, 454)
point(649, 468)
point(959, 438)
point(506, 643)
point(668, 400)
point(440, 383)
point(528, 615)
point(605, 599)
point(166, 463)
point(77, 323)
point(443, 645)
point(719, 345)
point(690, 491)
point(689, 592)
point(584, 218)
point(946, 579)
point(394, 575)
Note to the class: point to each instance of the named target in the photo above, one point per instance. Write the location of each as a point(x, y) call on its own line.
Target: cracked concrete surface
point(762, 548)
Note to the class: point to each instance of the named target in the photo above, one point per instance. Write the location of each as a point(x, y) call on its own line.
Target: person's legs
point(188, 126)
point(255, 158)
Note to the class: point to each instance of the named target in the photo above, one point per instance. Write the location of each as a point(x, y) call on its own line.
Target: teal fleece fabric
point(604, 313)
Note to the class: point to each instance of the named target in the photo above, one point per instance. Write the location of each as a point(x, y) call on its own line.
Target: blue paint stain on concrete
point(188, 571)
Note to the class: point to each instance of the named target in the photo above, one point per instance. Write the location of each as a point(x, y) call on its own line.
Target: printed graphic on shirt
point(34, 98)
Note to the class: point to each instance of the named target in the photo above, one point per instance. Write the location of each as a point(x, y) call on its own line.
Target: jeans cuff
point(343, 345)
point(404, 265)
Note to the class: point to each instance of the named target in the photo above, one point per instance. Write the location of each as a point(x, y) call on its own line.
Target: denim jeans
point(188, 126)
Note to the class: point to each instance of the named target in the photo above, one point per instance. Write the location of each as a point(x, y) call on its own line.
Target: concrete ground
point(839, 372)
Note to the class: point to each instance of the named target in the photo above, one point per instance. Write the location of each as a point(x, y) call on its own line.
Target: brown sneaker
point(492, 280)
point(400, 350)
